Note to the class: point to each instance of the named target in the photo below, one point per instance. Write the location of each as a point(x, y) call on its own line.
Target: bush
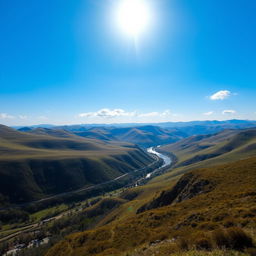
point(183, 244)
point(220, 239)
point(203, 243)
point(239, 239)
point(232, 238)
point(13, 216)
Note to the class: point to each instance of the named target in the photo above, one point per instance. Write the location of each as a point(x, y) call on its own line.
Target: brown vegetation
point(217, 218)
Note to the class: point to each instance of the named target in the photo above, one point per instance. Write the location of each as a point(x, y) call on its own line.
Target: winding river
point(166, 160)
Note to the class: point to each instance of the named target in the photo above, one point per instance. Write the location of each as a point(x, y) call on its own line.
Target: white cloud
point(6, 116)
point(228, 111)
point(108, 113)
point(119, 113)
point(221, 95)
point(208, 113)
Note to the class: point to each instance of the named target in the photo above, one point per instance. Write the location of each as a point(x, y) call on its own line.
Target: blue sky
point(65, 62)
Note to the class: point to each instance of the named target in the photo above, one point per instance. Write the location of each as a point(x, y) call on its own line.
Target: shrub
point(220, 239)
point(229, 222)
point(203, 243)
point(232, 238)
point(238, 238)
point(183, 244)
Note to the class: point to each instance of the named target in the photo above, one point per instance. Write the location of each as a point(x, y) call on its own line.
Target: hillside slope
point(202, 150)
point(33, 166)
point(194, 210)
point(144, 136)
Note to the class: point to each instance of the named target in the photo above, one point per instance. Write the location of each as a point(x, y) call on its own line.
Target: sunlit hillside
point(190, 214)
point(33, 166)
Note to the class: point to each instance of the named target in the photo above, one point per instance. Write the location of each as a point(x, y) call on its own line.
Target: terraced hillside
point(35, 165)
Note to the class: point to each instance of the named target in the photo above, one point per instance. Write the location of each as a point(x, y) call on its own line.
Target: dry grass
point(209, 150)
point(212, 253)
point(206, 221)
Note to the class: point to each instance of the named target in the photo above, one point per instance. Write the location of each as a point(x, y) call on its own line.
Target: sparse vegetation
point(205, 150)
point(196, 222)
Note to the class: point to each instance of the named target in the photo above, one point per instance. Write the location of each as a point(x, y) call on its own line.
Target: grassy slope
point(230, 201)
point(33, 165)
point(144, 135)
point(208, 150)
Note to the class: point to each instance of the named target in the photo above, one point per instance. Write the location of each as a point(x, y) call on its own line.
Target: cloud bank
point(118, 113)
point(108, 113)
point(6, 116)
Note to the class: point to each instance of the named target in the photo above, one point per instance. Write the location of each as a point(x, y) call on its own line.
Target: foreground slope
point(205, 204)
point(35, 165)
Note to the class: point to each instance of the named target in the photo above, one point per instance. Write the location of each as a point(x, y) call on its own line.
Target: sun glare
point(133, 17)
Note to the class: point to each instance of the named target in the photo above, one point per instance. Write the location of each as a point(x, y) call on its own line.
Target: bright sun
point(133, 16)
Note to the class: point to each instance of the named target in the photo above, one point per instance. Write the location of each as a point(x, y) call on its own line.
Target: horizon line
point(130, 123)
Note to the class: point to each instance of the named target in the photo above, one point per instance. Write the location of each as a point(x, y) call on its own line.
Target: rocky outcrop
point(187, 187)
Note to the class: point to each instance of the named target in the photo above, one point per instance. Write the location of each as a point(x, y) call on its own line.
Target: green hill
point(203, 150)
point(33, 166)
point(53, 132)
point(144, 136)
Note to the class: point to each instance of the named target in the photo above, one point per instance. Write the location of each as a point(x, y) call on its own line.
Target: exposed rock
point(187, 187)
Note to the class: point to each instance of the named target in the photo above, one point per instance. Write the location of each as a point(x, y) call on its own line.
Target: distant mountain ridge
point(231, 122)
point(143, 134)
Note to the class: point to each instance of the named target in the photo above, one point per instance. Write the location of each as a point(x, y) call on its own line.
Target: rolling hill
point(144, 136)
point(206, 202)
point(206, 209)
point(201, 150)
point(44, 162)
point(210, 206)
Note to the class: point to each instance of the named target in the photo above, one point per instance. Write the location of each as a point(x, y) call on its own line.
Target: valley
point(159, 161)
point(48, 165)
point(127, 128)
point(157, 200)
